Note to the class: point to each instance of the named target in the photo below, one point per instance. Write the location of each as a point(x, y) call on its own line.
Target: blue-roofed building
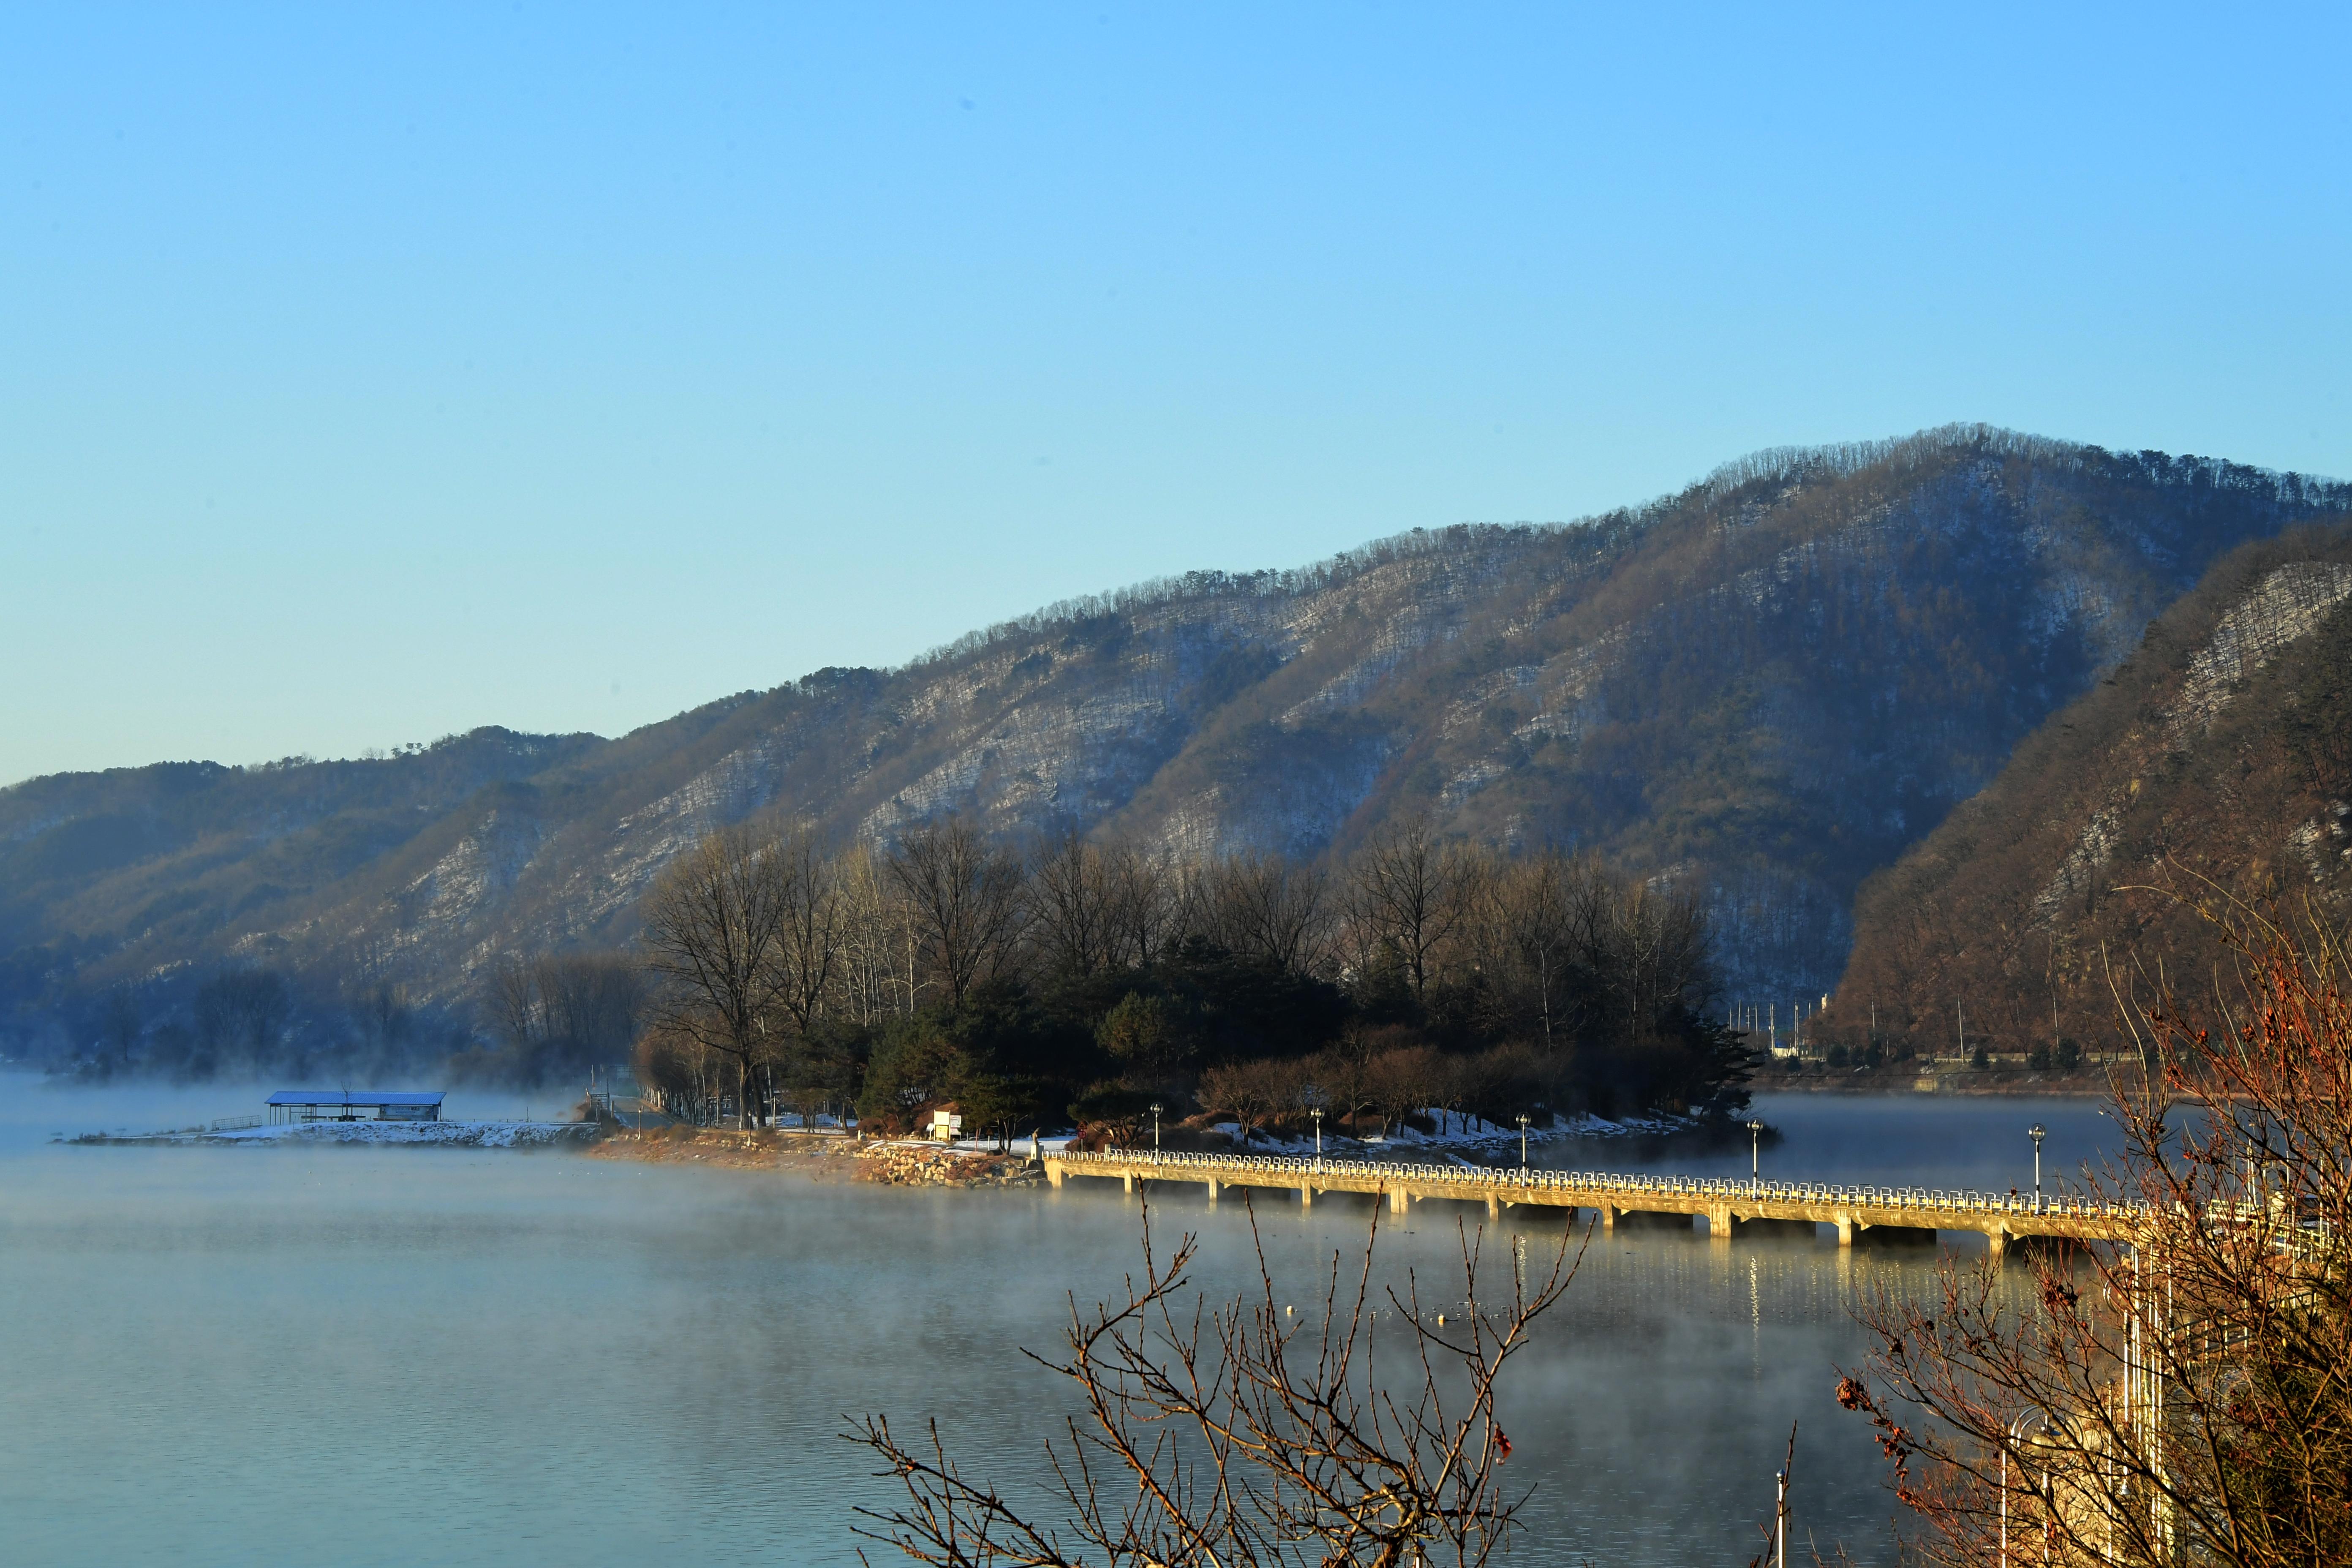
point(356, 1105)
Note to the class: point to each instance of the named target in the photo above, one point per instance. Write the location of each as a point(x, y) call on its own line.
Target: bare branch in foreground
point(2185, 1397)
point(1240, 1434)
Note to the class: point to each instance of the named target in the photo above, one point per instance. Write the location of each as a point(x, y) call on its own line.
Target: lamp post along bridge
point(1728, 1205)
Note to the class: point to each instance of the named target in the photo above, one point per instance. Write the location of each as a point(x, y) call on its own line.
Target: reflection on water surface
point(221, 1356)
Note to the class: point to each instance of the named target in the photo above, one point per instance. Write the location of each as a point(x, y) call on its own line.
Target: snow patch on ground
point(1467, 1134)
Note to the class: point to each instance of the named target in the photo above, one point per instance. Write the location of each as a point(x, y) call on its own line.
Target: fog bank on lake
point(358, 1355)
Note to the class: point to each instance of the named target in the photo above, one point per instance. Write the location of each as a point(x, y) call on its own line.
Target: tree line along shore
point(1084, 983)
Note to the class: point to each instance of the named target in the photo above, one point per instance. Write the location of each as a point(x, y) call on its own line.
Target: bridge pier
point(1874, 1216)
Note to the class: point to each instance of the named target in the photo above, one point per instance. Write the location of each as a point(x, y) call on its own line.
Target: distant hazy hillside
point(2223, 749)
point(1767, 686)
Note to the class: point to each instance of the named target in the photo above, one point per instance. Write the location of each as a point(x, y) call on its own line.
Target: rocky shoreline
point(834, 1156)
point(913, 1162)
point(823, 1157)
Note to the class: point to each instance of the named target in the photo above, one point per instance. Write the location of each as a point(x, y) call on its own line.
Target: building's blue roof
point(376, 1096)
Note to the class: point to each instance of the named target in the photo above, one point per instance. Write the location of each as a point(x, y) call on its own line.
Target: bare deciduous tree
point(1531, 916)
point(1251, 1091)
point(1343, 1073)
point(876, 969)
point(559, 1013)
point(1268, 909)
point(1240, 1434)
point(716, 925)
point(2186, 1396)
point(1143, 905)
point(810, 939)
point(965, 900)
point(240, 1014)
point(1409, 894)
point(683, 1074)
point(516, 1003)
point(1660, 949)
point(1403, 1081)
point(1097, 908)
point(1074, 917)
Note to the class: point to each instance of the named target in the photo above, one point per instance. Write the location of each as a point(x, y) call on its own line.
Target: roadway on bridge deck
point(1728, 1205)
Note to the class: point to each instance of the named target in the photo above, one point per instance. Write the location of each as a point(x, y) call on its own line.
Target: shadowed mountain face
point(2215, 761)
point(1766, 687)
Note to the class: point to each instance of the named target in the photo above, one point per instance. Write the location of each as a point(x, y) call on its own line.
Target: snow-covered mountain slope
point(2215, 761)
point(1767, 687)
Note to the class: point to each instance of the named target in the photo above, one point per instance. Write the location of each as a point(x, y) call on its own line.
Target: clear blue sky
point(365, 377)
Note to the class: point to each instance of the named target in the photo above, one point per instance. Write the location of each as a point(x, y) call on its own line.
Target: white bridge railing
point(1476, 1180)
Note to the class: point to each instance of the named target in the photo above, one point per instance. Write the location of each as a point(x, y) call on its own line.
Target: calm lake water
point(231, 1356)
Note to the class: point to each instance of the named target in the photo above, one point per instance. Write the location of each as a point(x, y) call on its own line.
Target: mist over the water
point(223, 1356)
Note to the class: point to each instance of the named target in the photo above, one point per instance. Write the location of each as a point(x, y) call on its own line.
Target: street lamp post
point(2016, 1437)
point(2037, 1132)
point(1155, 1128)
point(1780, 1521)
point(1755, 1156)
point(1317, 1112)
point(1523, 1140)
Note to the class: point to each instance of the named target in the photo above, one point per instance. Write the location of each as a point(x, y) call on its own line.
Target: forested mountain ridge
point(2216, 762)
point(1766, 687)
